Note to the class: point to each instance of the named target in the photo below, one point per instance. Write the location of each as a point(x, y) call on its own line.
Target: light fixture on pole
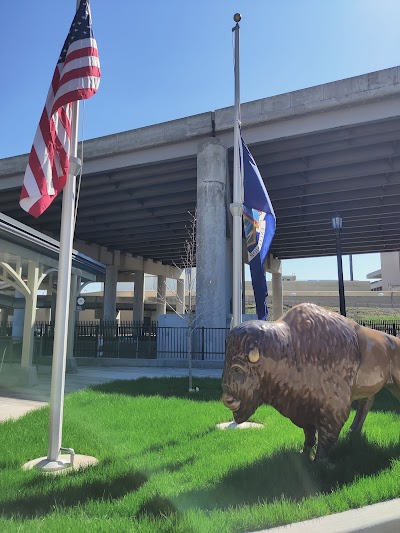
point(337, 225)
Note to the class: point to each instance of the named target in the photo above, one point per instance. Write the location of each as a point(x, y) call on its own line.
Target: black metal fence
point(104, 339)
point(135, 340)
point(392, 327)
point(207, 344)
point(142, 340)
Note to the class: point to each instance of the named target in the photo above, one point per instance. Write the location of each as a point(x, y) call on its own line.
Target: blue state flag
point(259, 226)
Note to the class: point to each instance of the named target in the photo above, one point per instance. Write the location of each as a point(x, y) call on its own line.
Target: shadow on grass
point(60, 496)
point(159, 447)
point(290, 475)
point(157, 507)
point(209, 388)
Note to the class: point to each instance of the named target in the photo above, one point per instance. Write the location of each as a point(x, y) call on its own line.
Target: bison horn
point(254, 355)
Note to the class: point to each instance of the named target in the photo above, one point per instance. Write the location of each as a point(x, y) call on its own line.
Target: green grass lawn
point(164, 467)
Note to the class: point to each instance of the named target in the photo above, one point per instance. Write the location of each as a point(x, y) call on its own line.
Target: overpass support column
point(180, 292)
point(211, 234)
point(161, 295)
point(277, 302)
point(110, 293)
point(138, 296)
point(275, 267)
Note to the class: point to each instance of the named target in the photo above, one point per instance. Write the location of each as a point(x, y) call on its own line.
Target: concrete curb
point(153, 363)
point(377, 518)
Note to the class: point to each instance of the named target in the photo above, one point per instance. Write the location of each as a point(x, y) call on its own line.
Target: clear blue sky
point(164, 60)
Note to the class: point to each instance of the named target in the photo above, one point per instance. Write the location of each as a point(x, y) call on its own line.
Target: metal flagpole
point(54, 461)
point(63, 294)
point(236, 207)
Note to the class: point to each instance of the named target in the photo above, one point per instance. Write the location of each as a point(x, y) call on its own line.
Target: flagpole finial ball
point(237, 17)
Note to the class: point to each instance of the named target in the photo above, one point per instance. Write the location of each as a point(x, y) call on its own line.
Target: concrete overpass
point(333, 147)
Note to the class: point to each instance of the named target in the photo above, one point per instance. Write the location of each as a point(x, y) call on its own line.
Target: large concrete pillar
point(161, 295)
point(180, 292)
point(211, 234)
point(138, 296)
point(110, 293)
point(277, 295)
point(274, 265)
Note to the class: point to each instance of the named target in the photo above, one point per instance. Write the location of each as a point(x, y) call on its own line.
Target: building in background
point(388, 276)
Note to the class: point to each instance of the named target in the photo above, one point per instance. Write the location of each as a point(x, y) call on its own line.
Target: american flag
point(76, 77)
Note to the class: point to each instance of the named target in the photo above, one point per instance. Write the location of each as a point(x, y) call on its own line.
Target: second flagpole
point(236, 207)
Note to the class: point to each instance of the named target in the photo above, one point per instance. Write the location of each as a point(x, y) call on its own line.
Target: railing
point(105, 339)
point(208, 344)
point(135, 340)
point(142, 340)
point(392, 327)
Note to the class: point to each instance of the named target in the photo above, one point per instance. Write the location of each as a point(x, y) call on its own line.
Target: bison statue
point(310, 365)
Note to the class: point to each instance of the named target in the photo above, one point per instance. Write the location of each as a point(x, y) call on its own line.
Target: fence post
point(97, 330)
point(148, 344)
point(41, 346)
point(202, 343)
point(118, 330)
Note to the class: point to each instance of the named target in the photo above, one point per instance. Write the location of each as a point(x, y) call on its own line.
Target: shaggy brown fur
point(312, 364)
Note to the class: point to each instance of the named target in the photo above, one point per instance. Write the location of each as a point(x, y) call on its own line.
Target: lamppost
point(337, 224)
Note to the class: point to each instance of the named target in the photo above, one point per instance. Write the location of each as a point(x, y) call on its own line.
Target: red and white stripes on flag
point(76, 77)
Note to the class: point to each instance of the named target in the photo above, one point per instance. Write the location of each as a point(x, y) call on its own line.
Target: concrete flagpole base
point(62, 464)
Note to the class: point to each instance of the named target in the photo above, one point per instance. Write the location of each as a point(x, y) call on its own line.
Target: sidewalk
point(381, 517)
point(16, 401)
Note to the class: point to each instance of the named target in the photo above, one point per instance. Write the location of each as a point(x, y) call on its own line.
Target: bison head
point(241, 376)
